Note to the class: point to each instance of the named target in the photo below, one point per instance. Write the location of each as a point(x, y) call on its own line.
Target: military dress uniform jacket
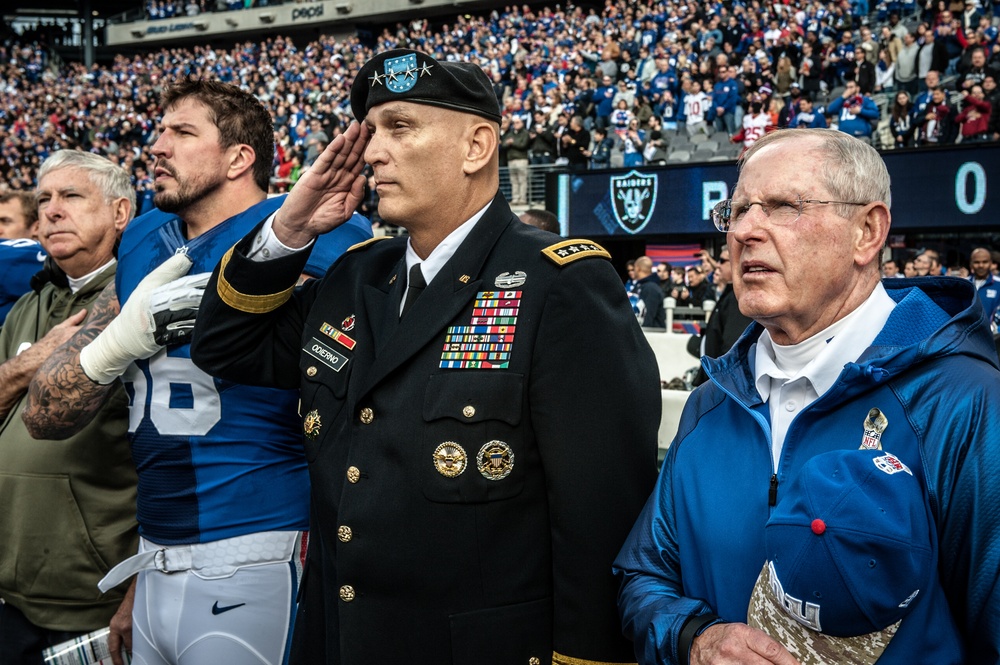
point(467, 503)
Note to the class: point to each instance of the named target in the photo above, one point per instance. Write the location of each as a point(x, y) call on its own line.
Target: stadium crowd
point(635, 75)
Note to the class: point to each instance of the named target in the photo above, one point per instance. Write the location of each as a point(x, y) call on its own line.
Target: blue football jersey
point(215, 459)
point(20, 259)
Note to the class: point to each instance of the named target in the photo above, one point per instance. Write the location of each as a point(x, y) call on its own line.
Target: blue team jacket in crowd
point(698, 546)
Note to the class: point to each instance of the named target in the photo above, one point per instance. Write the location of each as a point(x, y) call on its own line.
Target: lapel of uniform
point(382, 306)
point(442, 300)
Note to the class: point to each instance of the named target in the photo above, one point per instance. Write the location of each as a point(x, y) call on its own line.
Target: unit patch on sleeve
point(568, 251)
point(486, 342)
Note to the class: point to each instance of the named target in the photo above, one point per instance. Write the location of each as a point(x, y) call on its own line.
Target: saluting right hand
point(328, 193)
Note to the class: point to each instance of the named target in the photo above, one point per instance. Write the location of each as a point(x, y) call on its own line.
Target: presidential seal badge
point(450, 459)
point(401, 73)
point(495, 460)
point(311, 425)
point(633, 198)
point(875, 424)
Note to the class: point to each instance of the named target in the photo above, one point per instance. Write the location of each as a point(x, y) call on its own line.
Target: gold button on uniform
point(534, 660)
point(469, 411)
point(347, 593)
point(353, 474)
point(367, 415)
point(311, 371)
point(345, 534)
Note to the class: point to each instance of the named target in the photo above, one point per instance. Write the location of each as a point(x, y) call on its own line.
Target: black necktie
point(414, 285)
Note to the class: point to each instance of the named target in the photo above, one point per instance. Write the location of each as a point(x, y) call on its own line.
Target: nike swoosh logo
point(219, 610)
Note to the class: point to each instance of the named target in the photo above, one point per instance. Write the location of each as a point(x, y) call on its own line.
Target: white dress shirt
point(267, 246)
point(790, 378)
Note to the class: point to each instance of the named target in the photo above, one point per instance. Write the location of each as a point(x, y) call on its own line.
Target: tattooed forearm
point(61, 398)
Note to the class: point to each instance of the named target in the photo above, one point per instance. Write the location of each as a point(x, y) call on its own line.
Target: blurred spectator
point(922, 264)
point(694, 105)
point(655, 151)
point(542, 145)
point(541, 219)
point(901, 121)
point(633, 143)
point(725, 97)
point(855, 112)
point(906, 65)
point(992, 95)
point(600, 153)
point(698, 289)
point(974, 119)
point(987, 286)
point(937, 125)
point(651, 312)
point(726, 323)
point(977, 69)
point(756, 123)
point(603, 100)
point(807, 117)
point(864, 71)
point(890, 270)
point(315, 141)
point(663, 274)
point(18, 215)
point(515, 145)
point(575, 144)
point(910, 269)
point(885, 72)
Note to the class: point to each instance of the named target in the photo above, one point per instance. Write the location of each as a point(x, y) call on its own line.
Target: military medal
point(495, 460)
point(338, 336)
point(486, 342)
point(347, 325)
point(450, 459)
point(312, 424)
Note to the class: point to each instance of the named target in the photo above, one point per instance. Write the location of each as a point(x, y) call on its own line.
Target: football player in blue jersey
point(20, 254)
point(20, 259)
point(223, 491)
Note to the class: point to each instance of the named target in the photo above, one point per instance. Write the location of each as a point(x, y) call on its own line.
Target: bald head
point(980, 262)
point(643, 267)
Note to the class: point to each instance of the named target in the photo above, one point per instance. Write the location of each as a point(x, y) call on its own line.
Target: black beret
point(412, 76)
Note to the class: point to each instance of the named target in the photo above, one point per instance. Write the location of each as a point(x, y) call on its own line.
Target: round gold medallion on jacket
point(344, 533)
point(347, 593)
point(367, 415)
point(311, 424)
point(495, 460)
point(450, 459)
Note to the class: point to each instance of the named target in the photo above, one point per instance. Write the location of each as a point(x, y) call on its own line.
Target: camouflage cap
point(849, 550)
point(412, 76)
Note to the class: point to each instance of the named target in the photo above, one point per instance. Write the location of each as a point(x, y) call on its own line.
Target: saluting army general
point(479, 404)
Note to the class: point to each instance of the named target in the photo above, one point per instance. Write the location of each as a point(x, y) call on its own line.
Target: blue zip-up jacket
point(698, 545)
point(859, 124)
point(725, 94)
point(989, 294)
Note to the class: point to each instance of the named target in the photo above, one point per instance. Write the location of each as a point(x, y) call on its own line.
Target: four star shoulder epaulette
point(365, 243)
point(568, 251)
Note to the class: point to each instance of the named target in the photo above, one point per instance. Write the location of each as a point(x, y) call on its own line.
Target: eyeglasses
point(728, 213)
